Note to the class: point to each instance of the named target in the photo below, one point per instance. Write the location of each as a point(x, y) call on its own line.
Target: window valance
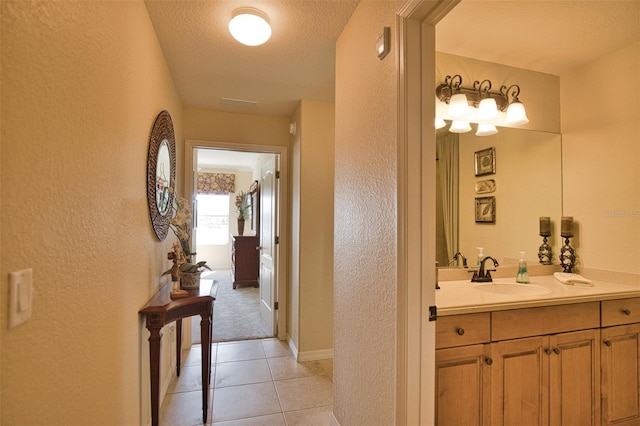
point(216, 183)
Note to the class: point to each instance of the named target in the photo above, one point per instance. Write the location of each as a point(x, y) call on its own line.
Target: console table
point(162, 310)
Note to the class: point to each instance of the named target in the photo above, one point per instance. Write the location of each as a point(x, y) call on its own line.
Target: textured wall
point(365, 221)
point(82, 83)
point(316, 226)
point(601, 161)
point(209, 125)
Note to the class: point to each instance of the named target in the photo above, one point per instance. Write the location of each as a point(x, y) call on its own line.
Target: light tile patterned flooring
point(254, 382)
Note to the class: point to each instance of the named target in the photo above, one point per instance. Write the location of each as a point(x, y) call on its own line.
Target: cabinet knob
point(460, 331)
point(556, 351)
point(547, 351)
point(626, 311)
point(488, 360)
point(607, 342)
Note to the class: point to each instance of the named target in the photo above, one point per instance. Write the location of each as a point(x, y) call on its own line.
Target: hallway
point(253, 382)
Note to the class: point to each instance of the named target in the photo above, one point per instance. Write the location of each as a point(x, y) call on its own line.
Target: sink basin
point(512, 289)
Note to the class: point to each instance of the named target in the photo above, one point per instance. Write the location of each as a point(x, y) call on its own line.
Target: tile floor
point(254, 382)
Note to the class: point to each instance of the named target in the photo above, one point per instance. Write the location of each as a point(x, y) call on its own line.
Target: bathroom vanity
point(540, 353)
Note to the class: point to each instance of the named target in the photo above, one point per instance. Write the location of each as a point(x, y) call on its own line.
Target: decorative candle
point(545, 226)
point(566, 227)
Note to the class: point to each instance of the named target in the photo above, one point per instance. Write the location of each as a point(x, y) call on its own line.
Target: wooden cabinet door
point(621, 375)
point(462, 386)
point(574, 378)
point(520, 382)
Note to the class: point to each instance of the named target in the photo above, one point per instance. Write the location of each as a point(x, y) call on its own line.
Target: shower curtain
point(447, 154)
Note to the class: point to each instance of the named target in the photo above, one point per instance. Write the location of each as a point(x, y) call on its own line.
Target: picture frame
point(485, 161)
point(486, 210)
point(254, 192)
point(485, 186)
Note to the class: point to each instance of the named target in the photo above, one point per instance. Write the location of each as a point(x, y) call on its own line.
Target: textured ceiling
point(207, 64)
point(299, 60)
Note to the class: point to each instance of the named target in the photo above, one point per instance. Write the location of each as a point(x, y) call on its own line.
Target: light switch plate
point(383, 43)
point(20, 296)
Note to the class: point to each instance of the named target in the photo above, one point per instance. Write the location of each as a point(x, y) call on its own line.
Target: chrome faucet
point(464, 259)
point(483, 275)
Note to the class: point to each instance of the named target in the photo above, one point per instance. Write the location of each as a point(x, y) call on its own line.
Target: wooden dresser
point(244, 260)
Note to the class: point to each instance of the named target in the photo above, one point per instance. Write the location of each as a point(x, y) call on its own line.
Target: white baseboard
point(308, 355)
point(315, 355)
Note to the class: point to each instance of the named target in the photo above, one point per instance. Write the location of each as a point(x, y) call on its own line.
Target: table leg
point(210, 343)
point(154, 363)
point(205, 334)
point(178, 344)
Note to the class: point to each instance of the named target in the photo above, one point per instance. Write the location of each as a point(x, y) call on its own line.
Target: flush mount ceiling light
point(478, 104)
point(250, 26)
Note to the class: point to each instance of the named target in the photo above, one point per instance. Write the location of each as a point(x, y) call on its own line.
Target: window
point(212, 221)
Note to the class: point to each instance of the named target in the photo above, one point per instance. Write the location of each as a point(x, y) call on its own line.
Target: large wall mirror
point(161, 174)
point(528, 184)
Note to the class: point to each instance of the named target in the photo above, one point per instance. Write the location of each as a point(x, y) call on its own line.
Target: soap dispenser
point(480, 255)
point(523, 274)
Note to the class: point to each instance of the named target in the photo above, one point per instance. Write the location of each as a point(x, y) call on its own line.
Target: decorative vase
point(240, 226)
point(190, 280)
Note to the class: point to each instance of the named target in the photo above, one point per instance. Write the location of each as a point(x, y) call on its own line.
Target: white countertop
point(461, 297)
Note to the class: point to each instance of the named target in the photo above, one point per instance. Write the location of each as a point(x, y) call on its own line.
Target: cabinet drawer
point(527, 322)
point(620, 311)
point(461, 330)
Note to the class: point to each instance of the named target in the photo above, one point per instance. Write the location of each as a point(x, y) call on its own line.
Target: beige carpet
point(236, 313)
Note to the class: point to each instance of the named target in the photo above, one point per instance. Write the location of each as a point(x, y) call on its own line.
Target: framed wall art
point(485, 186)
point(486, 210)
point(485, 161)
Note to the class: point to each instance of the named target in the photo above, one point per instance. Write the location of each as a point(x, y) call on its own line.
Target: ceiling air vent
point(238, 105)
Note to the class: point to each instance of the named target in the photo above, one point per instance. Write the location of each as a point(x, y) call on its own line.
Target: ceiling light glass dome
point(250, 26)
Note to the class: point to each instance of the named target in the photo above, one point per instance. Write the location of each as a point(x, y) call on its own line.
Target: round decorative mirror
point(161, 173)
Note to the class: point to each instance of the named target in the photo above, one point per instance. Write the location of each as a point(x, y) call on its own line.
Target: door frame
point(282, 201)
point(415, 44)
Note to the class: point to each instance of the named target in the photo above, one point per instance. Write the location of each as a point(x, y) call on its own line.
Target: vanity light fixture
point(478, 104)
point(458, 126)
point(486, 129)
point(250, 26)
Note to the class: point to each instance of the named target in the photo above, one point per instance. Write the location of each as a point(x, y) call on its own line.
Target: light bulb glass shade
point(440, 123)
point(485, 129)
point(516, 115)
point(458, 106)
point(441, 108)
point(460, 127)
point(487, 109)
point(250, 26)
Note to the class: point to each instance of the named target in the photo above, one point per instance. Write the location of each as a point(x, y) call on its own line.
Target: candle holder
point(544, 252)
point(567, 255)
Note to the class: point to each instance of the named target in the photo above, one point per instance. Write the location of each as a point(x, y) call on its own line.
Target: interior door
point(268, 248)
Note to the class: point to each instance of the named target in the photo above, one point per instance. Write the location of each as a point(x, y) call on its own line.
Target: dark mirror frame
point(162, 130)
